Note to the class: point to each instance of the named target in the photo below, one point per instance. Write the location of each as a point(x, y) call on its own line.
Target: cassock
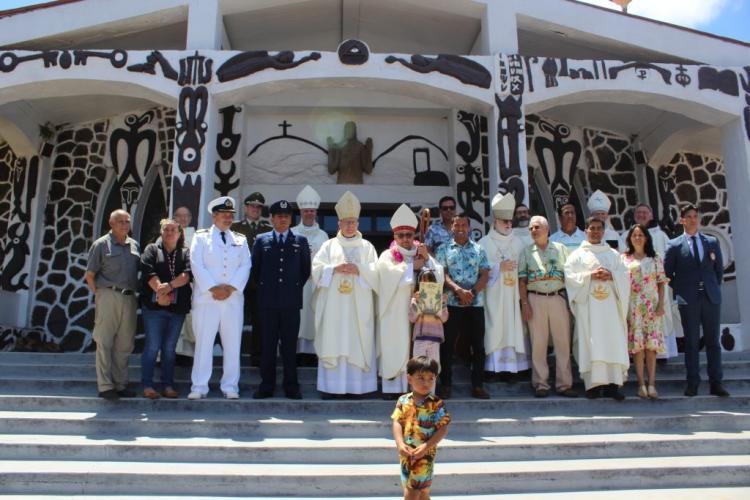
point(315, 238)
point(397, 283)
point(504, 340)
point(600, 309)
point(344, 316)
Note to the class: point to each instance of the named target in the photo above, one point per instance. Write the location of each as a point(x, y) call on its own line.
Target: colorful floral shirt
point(436, 235)
point(544, 269)
point(463, 262)
point(420, 420)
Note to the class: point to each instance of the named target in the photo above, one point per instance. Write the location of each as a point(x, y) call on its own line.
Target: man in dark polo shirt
point(112, 276)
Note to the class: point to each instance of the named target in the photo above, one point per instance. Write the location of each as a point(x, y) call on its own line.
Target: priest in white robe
point(308, 201)
point(504, 341)
point(398, 267)
point(345, 277)
point(671, 321)
point(598, 292)
point(598, 205)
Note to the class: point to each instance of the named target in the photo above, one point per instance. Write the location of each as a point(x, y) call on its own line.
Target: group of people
point(364, 315)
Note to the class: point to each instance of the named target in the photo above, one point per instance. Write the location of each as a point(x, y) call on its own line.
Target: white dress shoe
point(231, 395)
point(196, 395)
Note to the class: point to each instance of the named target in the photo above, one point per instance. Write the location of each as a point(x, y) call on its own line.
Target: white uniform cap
point(221, 204)
point(308, 198)
point(404, 218)
point(348, 206)
point(503, 206)
point(599, 201)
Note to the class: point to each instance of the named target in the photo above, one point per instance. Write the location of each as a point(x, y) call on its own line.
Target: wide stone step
point(462, 478)
point(366, 450)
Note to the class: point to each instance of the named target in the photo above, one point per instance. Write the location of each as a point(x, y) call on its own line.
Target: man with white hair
point(396, 272)
point(599, 205)
point(504, 341)
point(345, 276)
point(308, 201)
point(541, 275)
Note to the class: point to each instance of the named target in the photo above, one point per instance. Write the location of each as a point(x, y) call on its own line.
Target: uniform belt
point(123, 291)
point(559, 292)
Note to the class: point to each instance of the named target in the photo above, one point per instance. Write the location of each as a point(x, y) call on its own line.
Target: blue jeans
point(162, 331)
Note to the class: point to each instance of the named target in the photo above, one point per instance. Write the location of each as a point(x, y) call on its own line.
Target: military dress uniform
point(281, 266)
point(218, 258)
point(250, 230)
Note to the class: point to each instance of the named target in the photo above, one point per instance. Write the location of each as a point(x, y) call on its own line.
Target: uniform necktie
point(281, 239)
point(223, 237)
point(253, 226)
point(696, 255)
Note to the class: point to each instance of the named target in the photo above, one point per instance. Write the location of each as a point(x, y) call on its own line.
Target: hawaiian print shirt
point(463, 263)
point(420, 420)
point(544, 269)
point(437, 234)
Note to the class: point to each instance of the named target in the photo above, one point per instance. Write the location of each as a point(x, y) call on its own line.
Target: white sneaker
point(196, 395)
point(231, 395)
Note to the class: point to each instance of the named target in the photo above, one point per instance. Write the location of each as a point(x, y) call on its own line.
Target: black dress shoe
point(263, 394)
point(691, 390)
point(445, 392)
point(614, 392)
point(541, 393)
point(294, 395)
point(594, 393)
point(568, 393)
point(480, 393)
point(718, 390)
point(126, 393)
point(110, 394)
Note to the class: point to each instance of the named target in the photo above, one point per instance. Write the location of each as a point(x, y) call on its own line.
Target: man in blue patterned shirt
point(466, 274)
point(439, 232)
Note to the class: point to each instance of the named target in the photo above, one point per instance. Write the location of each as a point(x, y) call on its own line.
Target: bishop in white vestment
point(598, 206)
point(504, 340)
point(308, 201)
point(345, 277)
point(598, 292)
point(396, 274)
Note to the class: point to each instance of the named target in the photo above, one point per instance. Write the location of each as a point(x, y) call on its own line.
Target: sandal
point(652, 392)
point(642, 392)
point(149, 393)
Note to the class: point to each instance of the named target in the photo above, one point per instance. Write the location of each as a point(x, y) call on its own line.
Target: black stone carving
point(427, 177)
point(461, 68)
point(723, 81)
point(224, 185)
point(509, 128)
point(187, 192)
point(406, 139)
point(529, 78)
point(549, 68)
point(129, 175)
point(353, 52)
point(16, 245)
point(559, 179)
point(682, 77)
point(191, 127)
point(9, 60)
point(226, 140)
point(195, 70)
point(118, 57)
point(154, 58)
point(472, 190)
point(285, 135)
point(746, 88)
point(247, 63)
point(641, 69)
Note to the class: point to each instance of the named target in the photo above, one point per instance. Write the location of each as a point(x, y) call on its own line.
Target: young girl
point(428, 326)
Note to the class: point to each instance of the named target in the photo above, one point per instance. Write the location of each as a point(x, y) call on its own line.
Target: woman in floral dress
point(647, 282)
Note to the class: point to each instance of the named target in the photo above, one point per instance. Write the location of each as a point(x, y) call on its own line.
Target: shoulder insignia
point(199, 231)
point(239, 234)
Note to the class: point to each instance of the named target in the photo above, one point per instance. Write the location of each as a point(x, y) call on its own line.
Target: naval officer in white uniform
point(220, 260)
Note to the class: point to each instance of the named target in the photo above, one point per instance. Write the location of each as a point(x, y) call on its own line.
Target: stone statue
point(350, 157)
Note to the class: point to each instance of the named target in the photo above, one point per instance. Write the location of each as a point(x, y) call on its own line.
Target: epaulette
point(239, 234)
point(199, 231)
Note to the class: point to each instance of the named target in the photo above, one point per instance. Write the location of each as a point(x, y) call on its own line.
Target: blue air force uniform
point(280, 267)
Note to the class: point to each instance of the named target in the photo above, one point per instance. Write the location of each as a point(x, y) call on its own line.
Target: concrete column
point(499, 29)
point(735, 143)
point(205, 25)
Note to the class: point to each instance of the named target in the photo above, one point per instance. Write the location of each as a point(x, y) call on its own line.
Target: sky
point(730, 18)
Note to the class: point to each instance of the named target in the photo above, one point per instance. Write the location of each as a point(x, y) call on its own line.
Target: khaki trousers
point(550, 317)
point(114, 333)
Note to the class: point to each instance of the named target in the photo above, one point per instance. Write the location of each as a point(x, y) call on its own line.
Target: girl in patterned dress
point(420, 422)
point(646, 308)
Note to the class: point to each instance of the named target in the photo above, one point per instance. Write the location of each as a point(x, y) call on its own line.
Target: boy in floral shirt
point(420, 422)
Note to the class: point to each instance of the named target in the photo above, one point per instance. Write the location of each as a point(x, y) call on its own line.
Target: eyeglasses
point(445, 208)
point(402, 236)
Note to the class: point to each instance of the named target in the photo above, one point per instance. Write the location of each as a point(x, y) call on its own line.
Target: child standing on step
point(420, 422)
point(428, 311)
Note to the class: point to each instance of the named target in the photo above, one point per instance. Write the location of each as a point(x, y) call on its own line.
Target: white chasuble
point(504, 340)
point(315, 239)
point(397, 283)
point(344, 316)
point(600, 309)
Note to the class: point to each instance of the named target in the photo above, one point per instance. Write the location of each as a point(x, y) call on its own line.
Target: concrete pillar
point(205, 25)
point(499, 29)
point(735, 143)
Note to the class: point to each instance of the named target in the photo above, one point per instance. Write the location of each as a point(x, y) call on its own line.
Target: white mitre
point(404, 219)
point(599, 201)
point(348, 206)
point(503, 206)
point(308, 198)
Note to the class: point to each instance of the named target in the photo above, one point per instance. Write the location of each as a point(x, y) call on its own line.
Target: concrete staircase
point(58, 440)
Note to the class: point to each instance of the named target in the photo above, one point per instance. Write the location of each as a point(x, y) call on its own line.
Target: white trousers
point(208, 318)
